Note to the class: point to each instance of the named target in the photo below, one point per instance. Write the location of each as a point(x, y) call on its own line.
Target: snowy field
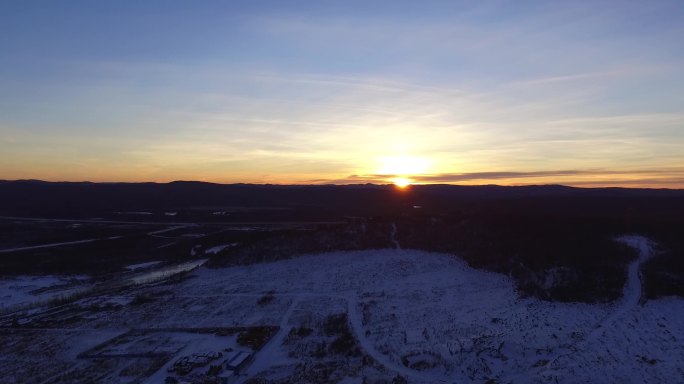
point(25, 290)
point(452, 323)
point(385, 313)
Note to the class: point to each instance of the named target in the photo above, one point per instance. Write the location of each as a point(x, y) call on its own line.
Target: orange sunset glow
point(252, 94)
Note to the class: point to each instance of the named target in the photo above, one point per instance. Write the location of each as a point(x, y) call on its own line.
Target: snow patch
point(24, 290)
point(219, 248)
point(135, 267)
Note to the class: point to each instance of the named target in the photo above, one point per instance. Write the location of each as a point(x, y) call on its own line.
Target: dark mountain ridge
point(34, 197)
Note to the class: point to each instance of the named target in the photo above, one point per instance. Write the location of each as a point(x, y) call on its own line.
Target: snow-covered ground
point(24, 290)
point(425, 316)
point(468, 325)
point(164, 272)
point(216, 249)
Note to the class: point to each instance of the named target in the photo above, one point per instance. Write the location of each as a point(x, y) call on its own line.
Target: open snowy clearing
point(431, 318)
point(371, 314)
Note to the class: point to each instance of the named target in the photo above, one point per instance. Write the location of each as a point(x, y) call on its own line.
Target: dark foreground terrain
point(556, 242)
point(207, 284)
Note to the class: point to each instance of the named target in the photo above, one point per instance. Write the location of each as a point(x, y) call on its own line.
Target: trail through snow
point(381, 358)
point(393, 237)
point(85, 241)
point(630, 298)
point(632, 290)
point(48, 245)
point(158, 233)
point(272, 353)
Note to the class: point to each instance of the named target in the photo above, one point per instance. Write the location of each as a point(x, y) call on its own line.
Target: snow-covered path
point(18, 249)
point(393, 237)
point(630, 299)
point(158, 233)
point(382, 359)
point(272, 353)
point(632, 290)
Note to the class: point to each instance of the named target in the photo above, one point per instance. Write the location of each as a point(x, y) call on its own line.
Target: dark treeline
point(556, 242)
point(275, 202)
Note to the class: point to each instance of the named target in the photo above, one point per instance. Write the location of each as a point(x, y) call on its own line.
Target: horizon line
point(389, 184)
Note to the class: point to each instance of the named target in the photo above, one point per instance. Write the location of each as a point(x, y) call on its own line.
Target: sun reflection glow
point(403, 165)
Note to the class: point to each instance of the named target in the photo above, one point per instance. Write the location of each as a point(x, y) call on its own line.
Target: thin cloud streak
point(294, 93)
point(593, 177)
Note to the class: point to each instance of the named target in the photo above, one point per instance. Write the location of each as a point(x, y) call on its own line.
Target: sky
point(584, 93)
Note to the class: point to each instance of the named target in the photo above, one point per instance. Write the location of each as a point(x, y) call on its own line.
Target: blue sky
point(513, 92)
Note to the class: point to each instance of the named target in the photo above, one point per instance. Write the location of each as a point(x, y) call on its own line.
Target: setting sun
point(398, 169)
point(401, 182)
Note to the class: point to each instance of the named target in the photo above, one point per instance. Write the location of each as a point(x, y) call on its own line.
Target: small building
point(202, 359)
point(238, 360)
point(186, 364)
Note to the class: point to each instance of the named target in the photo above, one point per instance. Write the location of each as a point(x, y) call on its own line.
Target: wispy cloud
point(291, 94)
point(588, 177)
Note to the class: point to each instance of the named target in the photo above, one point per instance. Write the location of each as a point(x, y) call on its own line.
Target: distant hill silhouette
point(80, 199)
